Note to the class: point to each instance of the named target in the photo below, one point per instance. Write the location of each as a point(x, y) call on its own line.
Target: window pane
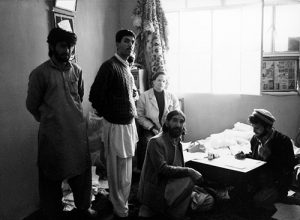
point(215, 50)
point(251, 49)
point(241, 2)
point(203, 3)
point(169, 5)
point(226, 51)
point(172, 55)
point(195, 53)
point(287, 29)
point(267, 43)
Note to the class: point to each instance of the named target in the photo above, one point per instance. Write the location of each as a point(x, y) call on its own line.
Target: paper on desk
point(238, 164)
point(185, 145)
point(193, 156)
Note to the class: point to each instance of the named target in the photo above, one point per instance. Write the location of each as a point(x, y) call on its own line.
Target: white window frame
point(222, 2)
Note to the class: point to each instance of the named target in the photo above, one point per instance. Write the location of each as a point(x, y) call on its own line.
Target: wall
point(97, 21)
point(208, 114)
point(24, 29)
point(126, 9)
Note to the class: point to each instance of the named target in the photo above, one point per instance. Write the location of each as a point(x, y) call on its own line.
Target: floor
point(225, 210)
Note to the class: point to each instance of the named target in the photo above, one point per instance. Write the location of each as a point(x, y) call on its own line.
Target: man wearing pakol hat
point(276, 149)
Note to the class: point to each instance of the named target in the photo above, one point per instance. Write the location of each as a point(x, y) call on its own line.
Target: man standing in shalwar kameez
point(55, 93)
point(113, 94)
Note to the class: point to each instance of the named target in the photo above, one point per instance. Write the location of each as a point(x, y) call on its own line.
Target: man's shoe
point(116, 217)
point(87, 214)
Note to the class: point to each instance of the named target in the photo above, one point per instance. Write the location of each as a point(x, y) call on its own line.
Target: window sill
point(291, 93)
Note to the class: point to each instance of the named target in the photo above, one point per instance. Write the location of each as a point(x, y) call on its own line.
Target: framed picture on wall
point(69, 5)
point(279, 74)
point(64, 21)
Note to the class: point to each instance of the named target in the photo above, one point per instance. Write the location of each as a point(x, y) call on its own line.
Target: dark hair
point(122, 33)
point(256, 120)
point(170, 116)
point(59, 35)
point(157, 74)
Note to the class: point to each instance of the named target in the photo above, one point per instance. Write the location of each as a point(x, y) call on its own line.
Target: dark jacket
point(281, 161)
point(157, 170)
point(112, 92)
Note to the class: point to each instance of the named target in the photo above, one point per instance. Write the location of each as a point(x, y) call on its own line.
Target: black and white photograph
point(150, 110)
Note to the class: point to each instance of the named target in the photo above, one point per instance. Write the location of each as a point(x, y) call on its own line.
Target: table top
point(228, 162)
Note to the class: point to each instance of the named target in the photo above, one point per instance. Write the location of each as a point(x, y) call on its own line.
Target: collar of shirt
point(264, 140)
point(175, 141)
point(121, 60)
point(66, 67)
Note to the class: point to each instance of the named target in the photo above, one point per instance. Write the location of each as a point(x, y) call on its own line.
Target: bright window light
point(215, 50)
point(195, 53)
point(287, 26)
point(203, 3)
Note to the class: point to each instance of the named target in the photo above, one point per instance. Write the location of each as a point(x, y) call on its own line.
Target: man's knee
point(202, 201)
point(266, 197)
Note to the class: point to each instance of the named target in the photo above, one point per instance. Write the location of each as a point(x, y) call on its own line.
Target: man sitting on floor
point(276, 149)
point(167, 187)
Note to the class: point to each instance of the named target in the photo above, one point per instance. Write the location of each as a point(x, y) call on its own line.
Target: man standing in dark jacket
point(113, 94)
point(276, 149)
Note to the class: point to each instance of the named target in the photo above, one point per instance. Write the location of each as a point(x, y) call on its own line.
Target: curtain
point(151, 41)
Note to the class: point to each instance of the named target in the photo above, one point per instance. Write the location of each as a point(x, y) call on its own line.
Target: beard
point(260, 136)
point(64, 57)
point(175, 132)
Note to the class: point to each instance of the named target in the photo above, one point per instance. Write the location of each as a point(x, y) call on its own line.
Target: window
point(69, 5)
point(216, 46)
point(280, 46)
point(281, 29)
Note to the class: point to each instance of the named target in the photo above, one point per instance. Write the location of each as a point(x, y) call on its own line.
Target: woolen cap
point(264, 115)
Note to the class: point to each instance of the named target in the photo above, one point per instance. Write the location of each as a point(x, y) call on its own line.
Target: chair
point(181, 104)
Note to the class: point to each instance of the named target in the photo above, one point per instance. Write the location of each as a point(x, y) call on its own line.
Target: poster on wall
point(279, 74)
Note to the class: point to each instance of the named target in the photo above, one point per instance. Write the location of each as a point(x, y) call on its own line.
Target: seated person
point(276, 149)
point(167, 187)
point(152, 108)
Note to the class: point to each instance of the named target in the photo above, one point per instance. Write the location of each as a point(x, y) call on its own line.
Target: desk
point(226, 169)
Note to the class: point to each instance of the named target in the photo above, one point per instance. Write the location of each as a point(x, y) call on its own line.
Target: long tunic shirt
point(54, 99)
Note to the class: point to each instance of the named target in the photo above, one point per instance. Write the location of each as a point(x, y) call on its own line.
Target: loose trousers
point(119, 173)
point(51, 193)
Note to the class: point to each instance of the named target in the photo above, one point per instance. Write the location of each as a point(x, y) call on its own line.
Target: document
point(240, 164)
